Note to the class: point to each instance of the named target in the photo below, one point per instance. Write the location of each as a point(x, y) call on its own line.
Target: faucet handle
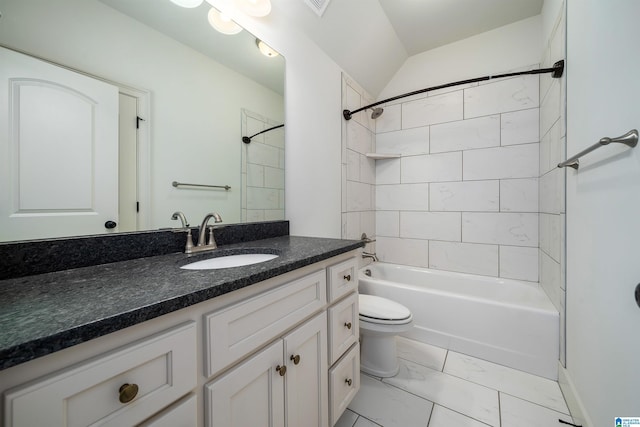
point(188, 247)
point(212, 241)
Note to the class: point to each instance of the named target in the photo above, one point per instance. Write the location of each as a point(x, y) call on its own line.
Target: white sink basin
point(229, 261)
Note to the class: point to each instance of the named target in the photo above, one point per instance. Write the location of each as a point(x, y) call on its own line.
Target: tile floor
point(440, 388)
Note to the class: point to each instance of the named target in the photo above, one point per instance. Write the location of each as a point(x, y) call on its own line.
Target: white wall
point(193, 98)
point(468, 175)
point(603, 208)
point(313, 124)
point(496, 51)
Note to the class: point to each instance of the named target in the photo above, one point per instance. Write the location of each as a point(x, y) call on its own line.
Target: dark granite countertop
point(48, 312)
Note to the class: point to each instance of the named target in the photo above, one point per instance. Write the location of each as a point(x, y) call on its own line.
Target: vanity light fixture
point(257, 8)
point(265, 49)
point(187, 3)
point(222, 23)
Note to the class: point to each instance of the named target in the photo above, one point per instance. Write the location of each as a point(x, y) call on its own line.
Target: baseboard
point(571, 396)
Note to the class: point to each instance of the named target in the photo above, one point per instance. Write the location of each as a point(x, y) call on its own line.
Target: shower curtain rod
point(247, 139)
point(557, 70)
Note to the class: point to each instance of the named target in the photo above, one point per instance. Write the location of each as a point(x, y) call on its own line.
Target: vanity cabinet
point(284, 383)
point(121, 388)
point(280, 352)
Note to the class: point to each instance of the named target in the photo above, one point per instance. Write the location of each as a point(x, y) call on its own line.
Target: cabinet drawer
point(233, 332)
point(163, 367)
point(181, 414)
point(343, 278)
point(344, 383)
point(343, 326)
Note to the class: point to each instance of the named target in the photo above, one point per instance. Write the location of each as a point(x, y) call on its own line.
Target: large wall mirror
point(175, 95)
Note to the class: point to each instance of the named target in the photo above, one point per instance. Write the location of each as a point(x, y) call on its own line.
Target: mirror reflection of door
point(128, 163)
point(55, 124)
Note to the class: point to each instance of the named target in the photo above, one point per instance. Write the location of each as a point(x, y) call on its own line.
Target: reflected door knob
point(110, 224)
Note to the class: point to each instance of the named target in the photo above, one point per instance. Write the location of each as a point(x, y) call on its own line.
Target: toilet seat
point(378, 310)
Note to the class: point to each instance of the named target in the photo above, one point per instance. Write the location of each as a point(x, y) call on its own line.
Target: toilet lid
point(374, 307)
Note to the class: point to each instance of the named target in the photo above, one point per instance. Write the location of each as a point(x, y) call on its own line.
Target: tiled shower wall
point(262, 169)
point(358, 170)
point(552, 179)
point(463, 195)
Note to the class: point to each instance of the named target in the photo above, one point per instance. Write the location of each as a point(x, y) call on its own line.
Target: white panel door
point(603, 208)
point(58, 150)
point(305, 352)
point(251, 394)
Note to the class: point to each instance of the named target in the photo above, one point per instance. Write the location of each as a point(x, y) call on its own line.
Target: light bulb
point(187, 3)
point(266, 49)
point(257, 8)
point(222, 23)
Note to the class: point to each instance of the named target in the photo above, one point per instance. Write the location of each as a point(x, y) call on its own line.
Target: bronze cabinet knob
point(347, 277)
point(128, 392)
point(296, 359)
point(281, 370)
point(348, 381)
point(347, 325)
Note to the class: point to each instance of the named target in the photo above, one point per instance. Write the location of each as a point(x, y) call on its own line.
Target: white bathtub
point(504, 321)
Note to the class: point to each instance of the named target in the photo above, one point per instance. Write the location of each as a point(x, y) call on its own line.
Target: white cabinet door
point(251, 394)
point(305, 352)
point(58, 150)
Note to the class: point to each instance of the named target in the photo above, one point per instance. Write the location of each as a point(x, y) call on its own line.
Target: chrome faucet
point(183, 219)
point(202, 239)
point(373, 256)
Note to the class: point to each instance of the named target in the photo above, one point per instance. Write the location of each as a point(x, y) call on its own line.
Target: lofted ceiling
point(371, 39)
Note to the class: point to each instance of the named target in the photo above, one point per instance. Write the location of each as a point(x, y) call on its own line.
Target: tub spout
point(373, 256)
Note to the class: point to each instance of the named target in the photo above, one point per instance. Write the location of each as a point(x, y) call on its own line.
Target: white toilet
point(380, 321)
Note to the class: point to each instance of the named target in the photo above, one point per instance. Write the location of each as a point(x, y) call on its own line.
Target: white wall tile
point(273, 214)
point(552, 191)
point(518, 262)
point(255, 175)
point(262, 154)
point(430, 225)
point(273, 177)
point(516, 161)
point(359, 138)
point(255, 215)
point(482, 196)
point(500, 97)
point(358, 196)
point(520, 127)
point(262, 198)
point(432, 110)
point(516, 229)
point(388, 171)
point(519, 195)
point(406, 197)
point(353, 226)
point(550, 278)
point(388, 223)
point(353, 166)
point(367, 170)
point(403, 251)
point(390, 120)
point(550, 107)
point(367, 223)
point(352, 98)
point(405, 142)
point(466, 134)
point(431, 168)
point(464, 257)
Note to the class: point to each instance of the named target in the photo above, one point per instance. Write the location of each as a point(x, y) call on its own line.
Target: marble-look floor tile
point(535, 389)
point(444, 417)
point(462, 396)
point(389, 406)
point(520, 413)
point(423, 354)
point(363, 422)
point(348, 419)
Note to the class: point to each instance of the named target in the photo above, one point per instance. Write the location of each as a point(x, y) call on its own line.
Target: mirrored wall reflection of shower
point(262, 169)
